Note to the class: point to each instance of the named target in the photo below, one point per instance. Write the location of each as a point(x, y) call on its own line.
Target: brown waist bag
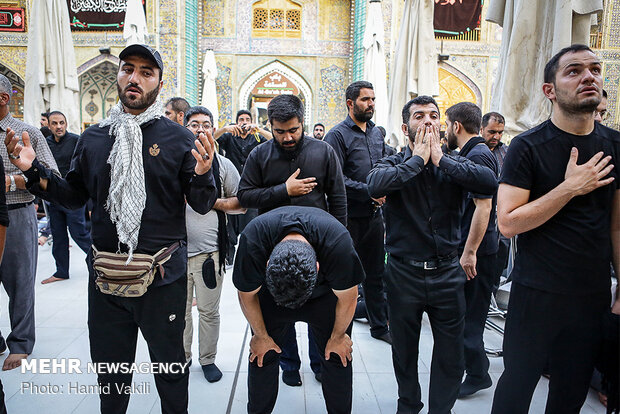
point(114, 277)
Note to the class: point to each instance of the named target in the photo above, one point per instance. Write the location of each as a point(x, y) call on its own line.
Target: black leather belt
point(428, 264)
point(19, 205)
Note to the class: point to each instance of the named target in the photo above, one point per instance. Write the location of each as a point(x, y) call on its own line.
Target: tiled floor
point(62, 333)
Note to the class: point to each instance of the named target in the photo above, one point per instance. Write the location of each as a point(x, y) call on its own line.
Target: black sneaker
point(291, 378)
point(471, 386)
point(386, 337)
point(211, 372)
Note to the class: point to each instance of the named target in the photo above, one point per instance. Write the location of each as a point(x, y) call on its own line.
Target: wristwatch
point(12, 187)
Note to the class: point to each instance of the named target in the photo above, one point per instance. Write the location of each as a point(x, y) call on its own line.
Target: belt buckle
point(427, 266)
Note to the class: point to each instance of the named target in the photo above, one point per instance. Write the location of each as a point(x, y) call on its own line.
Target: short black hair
point(56, 113)
point(243, 112)
point(283, 108)
point(178, 104)
point(467, 114)
point(291, 273)
point(45, 114)
point(318, 124)
point(418, 100)
point(194, 110)
point(604, 93)
point(499, 118)
point(353, 90)
point(551, 68)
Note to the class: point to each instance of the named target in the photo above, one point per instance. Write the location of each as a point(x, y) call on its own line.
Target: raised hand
point(435, 143)
point(295, 187)
point(342, 346)
point(421, 145)
point(20, 155)
point(204, 152)
point(259, 346)
point(589, 176)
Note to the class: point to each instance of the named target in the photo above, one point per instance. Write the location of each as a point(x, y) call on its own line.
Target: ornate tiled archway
point(276, 66)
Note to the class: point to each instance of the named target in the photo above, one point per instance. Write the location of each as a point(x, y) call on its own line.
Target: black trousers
point(564, 330)
point(319, 313)
point(368, 235)
point(113, 324)
point(477, 298)
point(412, 291)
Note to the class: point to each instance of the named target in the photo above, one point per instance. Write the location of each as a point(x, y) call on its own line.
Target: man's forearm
point(268, 135)
point(250, 305)
point(479, 224)
point(229, 205)
point(345, 309)
point(532, 214)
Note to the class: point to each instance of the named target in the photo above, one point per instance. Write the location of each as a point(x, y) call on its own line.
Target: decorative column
point(192, 64)
point(359, 25)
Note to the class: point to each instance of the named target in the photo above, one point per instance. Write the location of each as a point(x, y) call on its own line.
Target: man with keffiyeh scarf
point(138, 168)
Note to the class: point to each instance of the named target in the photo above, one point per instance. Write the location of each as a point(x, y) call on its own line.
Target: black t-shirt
point(570, 253)
point(339, 266)
point(476, 151)
point(237, 149)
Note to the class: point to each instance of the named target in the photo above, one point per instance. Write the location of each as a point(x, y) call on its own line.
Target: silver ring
point(13, 157)
point(205, 157)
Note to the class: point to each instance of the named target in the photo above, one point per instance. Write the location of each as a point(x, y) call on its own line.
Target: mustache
point(132, 85)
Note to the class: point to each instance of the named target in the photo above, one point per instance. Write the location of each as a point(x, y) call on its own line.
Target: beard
point(452, 141)
point(574, 106)
point(291, 152)
point(362, 116)
point(144, 102)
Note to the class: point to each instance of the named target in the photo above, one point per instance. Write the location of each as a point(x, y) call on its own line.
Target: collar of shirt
point(6, 122)
point(351, 124)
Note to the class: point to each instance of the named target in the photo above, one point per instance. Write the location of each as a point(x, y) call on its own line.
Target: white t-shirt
point(202, 229)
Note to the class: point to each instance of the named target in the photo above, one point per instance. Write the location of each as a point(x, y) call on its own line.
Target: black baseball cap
point(143, 50)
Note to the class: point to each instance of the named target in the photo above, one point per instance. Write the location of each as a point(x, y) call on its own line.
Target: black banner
point(12, 19)
point(98, 14)
point(455, 17)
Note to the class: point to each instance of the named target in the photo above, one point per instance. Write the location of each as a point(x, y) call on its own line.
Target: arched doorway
point(97, 90)
point(269, 81)
point(16, 106)
point(455, 87)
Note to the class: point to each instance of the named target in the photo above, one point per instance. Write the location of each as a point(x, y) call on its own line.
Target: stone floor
point(62, 333)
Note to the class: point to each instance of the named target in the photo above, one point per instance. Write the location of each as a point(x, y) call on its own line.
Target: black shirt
point(424, 203)
point(267, 168)
point(63, 150)
point(570, 253)
point(357, 152)
point(339, 266)
point(4, 210)
point(238, 149)
point(169, 180)
point(476, 150)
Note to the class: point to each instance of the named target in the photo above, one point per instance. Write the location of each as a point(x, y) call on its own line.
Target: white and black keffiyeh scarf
point(127, 195)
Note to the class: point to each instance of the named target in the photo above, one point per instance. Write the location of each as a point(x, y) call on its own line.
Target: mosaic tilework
point(213, 17)
point(169, 47)
point(613, 32)
point(14, 58)
point(474, 67)
point(224, 94)
point(358, 37)
point(386, 6)
point(331, 106)
point(192, 65)
point(611, 85)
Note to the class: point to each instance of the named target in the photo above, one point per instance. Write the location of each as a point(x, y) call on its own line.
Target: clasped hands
point(427, 144)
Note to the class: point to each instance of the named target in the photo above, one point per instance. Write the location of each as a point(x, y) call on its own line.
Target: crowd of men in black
point(338, 221)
